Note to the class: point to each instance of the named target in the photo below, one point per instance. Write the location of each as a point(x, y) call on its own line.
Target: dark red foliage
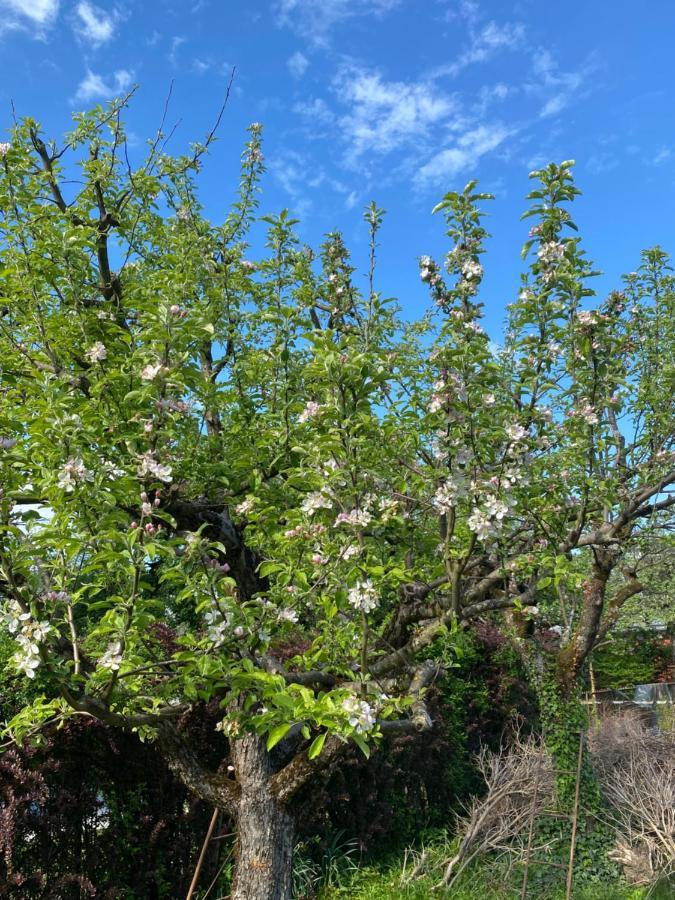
point(95, 813)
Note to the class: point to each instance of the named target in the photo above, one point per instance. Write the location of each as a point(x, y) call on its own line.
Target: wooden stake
point(200, 861)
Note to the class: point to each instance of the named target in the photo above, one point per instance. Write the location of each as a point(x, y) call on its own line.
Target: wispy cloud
point(297, 64)
point(34, 16)
point(484, 42)
point(316, 114)
point(314, 19)
point(465, 153)
point(562, 87)
point(94, 86)
point(94, 24)
point(176, 43)
point(385, 115)
point(299, 177)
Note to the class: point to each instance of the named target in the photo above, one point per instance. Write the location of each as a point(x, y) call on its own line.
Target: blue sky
point(392, 100)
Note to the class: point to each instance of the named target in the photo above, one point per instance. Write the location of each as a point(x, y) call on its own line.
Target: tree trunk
point(265, 828)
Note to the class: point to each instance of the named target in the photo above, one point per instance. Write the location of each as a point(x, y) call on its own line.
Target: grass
point(489, 880)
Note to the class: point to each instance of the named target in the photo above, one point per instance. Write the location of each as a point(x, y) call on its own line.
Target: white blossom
point(112, 658)
point(245, 506)
point(361, 715)
point(309, 412)
point(516, 432)
point(315, 501)
point(471, 269)
point(551, 252)
point(358, 517)
point(587, 317)
point(74, 472)
point(351, 551)
point(217, 625)
point(479, 523)
point(150, 466)
point(96, 352)
point(496, 508)
point(151, 371)
point(589, 415)
point(364, 596)
point(4, 149)
point(287, 615)
point(29, 635)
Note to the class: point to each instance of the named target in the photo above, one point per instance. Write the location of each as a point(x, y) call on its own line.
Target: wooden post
point(530, 832)
point(200, 861)
point(575, 818)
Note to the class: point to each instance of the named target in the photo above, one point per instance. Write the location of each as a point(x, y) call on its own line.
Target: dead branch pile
point(520, 783)
point(636, 769)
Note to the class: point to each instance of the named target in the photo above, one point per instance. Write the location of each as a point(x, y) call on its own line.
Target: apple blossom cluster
point(150, 466)
point(245, 507)
point(217, 624)
point(170, 404)
point(364, 596)
point(311, 410)
point(151, 371)
point(74, 472)
point(112, 658)
point(97, 352)
point(360, 714)
point(29, 634)
point(359, 518)
point(314, 501)
point(286, 614)
point(454, 488)
point(429, 272)
point(4, 149)
point(587, 412)
point(516, 433)
point(486, 521)
point(551, 252)
point(304, 532)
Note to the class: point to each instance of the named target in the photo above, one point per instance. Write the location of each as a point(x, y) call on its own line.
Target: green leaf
point(316, 746)
point(277, 734)
point(361, 744)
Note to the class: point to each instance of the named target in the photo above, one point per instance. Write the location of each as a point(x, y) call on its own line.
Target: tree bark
point(265, 828)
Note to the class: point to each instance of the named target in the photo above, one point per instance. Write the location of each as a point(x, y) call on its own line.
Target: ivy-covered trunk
point(564, 720)
point(266, 829)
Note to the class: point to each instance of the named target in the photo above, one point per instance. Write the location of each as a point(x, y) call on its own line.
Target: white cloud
point(30, 15)
point(562, 86)
point(316, 112)
point(386, 115)
point(94, 24)
point(466, 152)
point(297, 64)
point(176, 43)
point(314, 19)
point(484, 44)
point(94, 86)
point(299, 176)
point(662, 156)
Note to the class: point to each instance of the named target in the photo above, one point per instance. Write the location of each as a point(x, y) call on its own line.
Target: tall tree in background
point(247, 482)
